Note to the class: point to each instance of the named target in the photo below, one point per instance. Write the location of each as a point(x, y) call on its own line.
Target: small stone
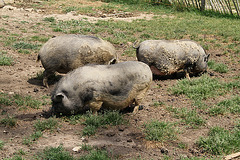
point(110, 134)
point(129, 140)
point(76, 149)
point(35, 90)
point(164, 150)
point(211, 74)
point(10, 93)
point(118, 140)
point(84, 140)
point(6, 132)
point(121, 128)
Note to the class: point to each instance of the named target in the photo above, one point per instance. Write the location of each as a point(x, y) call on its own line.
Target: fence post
point(202, 5)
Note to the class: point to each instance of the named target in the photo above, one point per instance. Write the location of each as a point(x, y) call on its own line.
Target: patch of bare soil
point(124, 141)
point(22, 14)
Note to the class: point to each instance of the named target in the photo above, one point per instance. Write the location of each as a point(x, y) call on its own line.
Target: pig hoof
point(140, 107)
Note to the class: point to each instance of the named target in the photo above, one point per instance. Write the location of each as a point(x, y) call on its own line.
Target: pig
point(113, 87)
point(67, 52)
point(166, 57)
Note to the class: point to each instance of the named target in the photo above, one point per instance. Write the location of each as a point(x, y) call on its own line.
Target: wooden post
point(229, 8)
point(203, 2)
point(238, 8)
point(223, 7)
point(235, 7)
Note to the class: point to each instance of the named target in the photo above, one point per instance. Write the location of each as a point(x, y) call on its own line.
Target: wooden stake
point(231, 156)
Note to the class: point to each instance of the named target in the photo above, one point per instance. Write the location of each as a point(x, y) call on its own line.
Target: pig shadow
point(38, 80)
point(178, 75)
point(50, 113)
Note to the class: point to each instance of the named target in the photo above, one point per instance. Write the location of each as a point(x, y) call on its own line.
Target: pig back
point(67, 52)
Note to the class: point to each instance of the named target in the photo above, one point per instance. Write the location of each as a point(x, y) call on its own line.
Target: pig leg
point(45, 79)
point(46, 74)
point(95, 106)
point(187, 74)
point(139, 98)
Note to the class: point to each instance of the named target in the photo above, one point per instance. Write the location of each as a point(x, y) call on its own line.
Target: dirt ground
point(124, 141)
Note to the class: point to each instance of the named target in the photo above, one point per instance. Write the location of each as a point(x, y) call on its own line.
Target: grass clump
point(8, 121)
point(59, 153)
point(5, 60)
point(40, 126)
point(39, 39)
point(19, 100)
point(49, 19)
point(17, 157)
point(1, 145)
point(203, 87)
point(26, 101)
point(226, 106)
point(218, 67)
point(220, 141)
point(93, 122)
point(96, 155)
point(189, 117)
point(157, 104)
point(33, 137)
point(48, 124)
point(24, 47)
point(159, 131)
point(55, 153)
point(5, 100)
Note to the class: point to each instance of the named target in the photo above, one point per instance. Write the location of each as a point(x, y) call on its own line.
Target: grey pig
point(67, 52)
point(166, 57)
point(112, 87)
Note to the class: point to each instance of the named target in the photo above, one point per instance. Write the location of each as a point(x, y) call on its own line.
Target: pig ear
point(206, 58)
point(59, 97)
point(113, 61)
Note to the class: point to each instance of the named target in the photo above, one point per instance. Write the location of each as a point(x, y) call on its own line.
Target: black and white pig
point(113, 87)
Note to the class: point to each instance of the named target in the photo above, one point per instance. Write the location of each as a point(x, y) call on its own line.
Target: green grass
point(17, 157)
point(220, 141)
point(59, 153)
point(1, 145)
point(176, 25)
point(5, 60)
point(226, 106)
point(218, 67)
point(203, 87)
point(26, 101)
point(39, 39)
point(75, 119)
point(49, 19)
point(157, 104)
point(86, 147)
point(92, 122)
point(197, 158)
point(48, 124)
point(54, 153)
point(5, 100)
point(159, 131)
point(22, 101)
point(190, 117)
point(9, 121)
point(95, 155)
point(25, 47)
